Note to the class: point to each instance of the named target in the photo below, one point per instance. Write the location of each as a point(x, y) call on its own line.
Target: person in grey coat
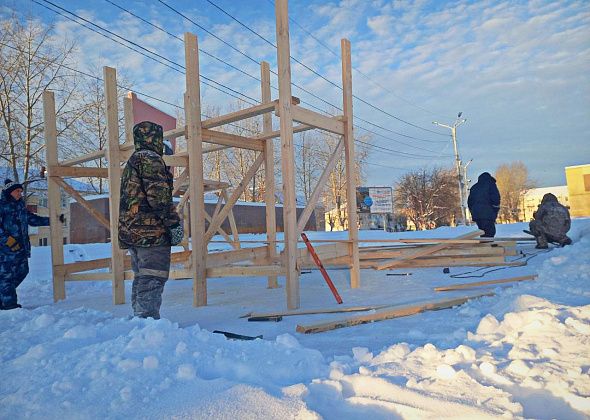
point(550, 223)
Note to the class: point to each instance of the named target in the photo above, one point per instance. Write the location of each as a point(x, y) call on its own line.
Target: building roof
point(557, 190)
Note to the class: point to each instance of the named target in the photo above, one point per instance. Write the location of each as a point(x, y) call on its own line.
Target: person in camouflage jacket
point(15, 247)
point(550, 222)
point(148, 222)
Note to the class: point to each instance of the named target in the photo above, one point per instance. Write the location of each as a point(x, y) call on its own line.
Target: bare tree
point(30, 63)
point(513, 182)
point(89, 133)
point(308, 163)
point(428, 197)
point(334, 197)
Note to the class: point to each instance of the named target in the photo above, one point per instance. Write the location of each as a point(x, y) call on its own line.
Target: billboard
point(374, 200)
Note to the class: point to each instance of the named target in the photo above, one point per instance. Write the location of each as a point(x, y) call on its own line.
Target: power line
point(299, 87)
point(406, 154)
point(207, 79)
point(100, 79)
point(182, 40)
point(320, 75)
point(91, 76)
point(357, 70)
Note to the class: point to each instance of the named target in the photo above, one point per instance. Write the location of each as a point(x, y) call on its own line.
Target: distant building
point(532, 199)
point(250, 218)
point(578, 185)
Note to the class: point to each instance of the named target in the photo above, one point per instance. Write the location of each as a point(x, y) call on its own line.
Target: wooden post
point(287, 155)
point(194, 141)
point(232, 222)
point(128, 114)
point(353, 233)
point(269, 173)
point(114, 170)
point(53, 196)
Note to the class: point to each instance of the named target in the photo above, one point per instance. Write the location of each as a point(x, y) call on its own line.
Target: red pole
point(318, 262)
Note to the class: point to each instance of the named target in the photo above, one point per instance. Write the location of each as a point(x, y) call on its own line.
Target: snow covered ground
point(524, 352)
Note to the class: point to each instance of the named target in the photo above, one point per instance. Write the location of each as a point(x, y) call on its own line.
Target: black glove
point(13, 244)
point(62, 218)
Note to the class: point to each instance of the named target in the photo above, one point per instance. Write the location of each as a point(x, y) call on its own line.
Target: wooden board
point(316, 311)
point(389, 313)
point(422, 252)
point(484, 283)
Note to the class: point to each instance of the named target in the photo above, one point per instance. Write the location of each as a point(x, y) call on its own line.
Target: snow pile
point(533, 363)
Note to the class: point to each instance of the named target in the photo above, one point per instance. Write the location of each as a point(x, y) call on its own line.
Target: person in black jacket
point(484, 204)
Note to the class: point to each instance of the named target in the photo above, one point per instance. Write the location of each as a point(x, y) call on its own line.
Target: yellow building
point(578, 184)
point(533, 197)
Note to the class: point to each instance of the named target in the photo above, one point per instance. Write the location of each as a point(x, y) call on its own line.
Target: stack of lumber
point(465, 250)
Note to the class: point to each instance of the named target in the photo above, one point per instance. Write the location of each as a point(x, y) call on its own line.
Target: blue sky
point(519, 71)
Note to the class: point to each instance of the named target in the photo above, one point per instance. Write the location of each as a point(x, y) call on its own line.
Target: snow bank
point(522, 353)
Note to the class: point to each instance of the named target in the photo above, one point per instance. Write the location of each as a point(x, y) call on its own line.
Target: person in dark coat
point(550, 223)
point(484, 204)
point(15, 247)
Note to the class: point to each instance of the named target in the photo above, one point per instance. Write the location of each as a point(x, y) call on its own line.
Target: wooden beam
point(350, 163)
point(83, 159)
point(90, 276)
point(216, 222)
point(242, 114)
point(175, 133)
point(321, 184)
point(53, 194)
point(315, 311)
point(269, 173)
point(421, 252)
point(176, 160)
point(232, 140)
point(89, 208)
point(317, 120)
point(287, 155)
point(128, 117)
point(484, 283)
point(78, 172)
point(221, 232)
point(389, 313)
point(324, 252)
point(246, 271)
point(114, 175)
point(214, 148)
point(219, 259)
point(180, 181)
point(296, 129)
point(194, 139)
point(472, 251)
point(80, 266)
point(232, 221)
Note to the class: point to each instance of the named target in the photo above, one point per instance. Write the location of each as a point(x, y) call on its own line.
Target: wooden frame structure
point(201, 138)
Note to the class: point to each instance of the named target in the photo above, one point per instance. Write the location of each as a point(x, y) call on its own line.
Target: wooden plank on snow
point(389, 313)
point(484, 283)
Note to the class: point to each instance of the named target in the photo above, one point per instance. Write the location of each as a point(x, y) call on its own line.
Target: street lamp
point(461, 171)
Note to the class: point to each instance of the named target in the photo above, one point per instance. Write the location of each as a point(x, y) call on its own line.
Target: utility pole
point(461, 170)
